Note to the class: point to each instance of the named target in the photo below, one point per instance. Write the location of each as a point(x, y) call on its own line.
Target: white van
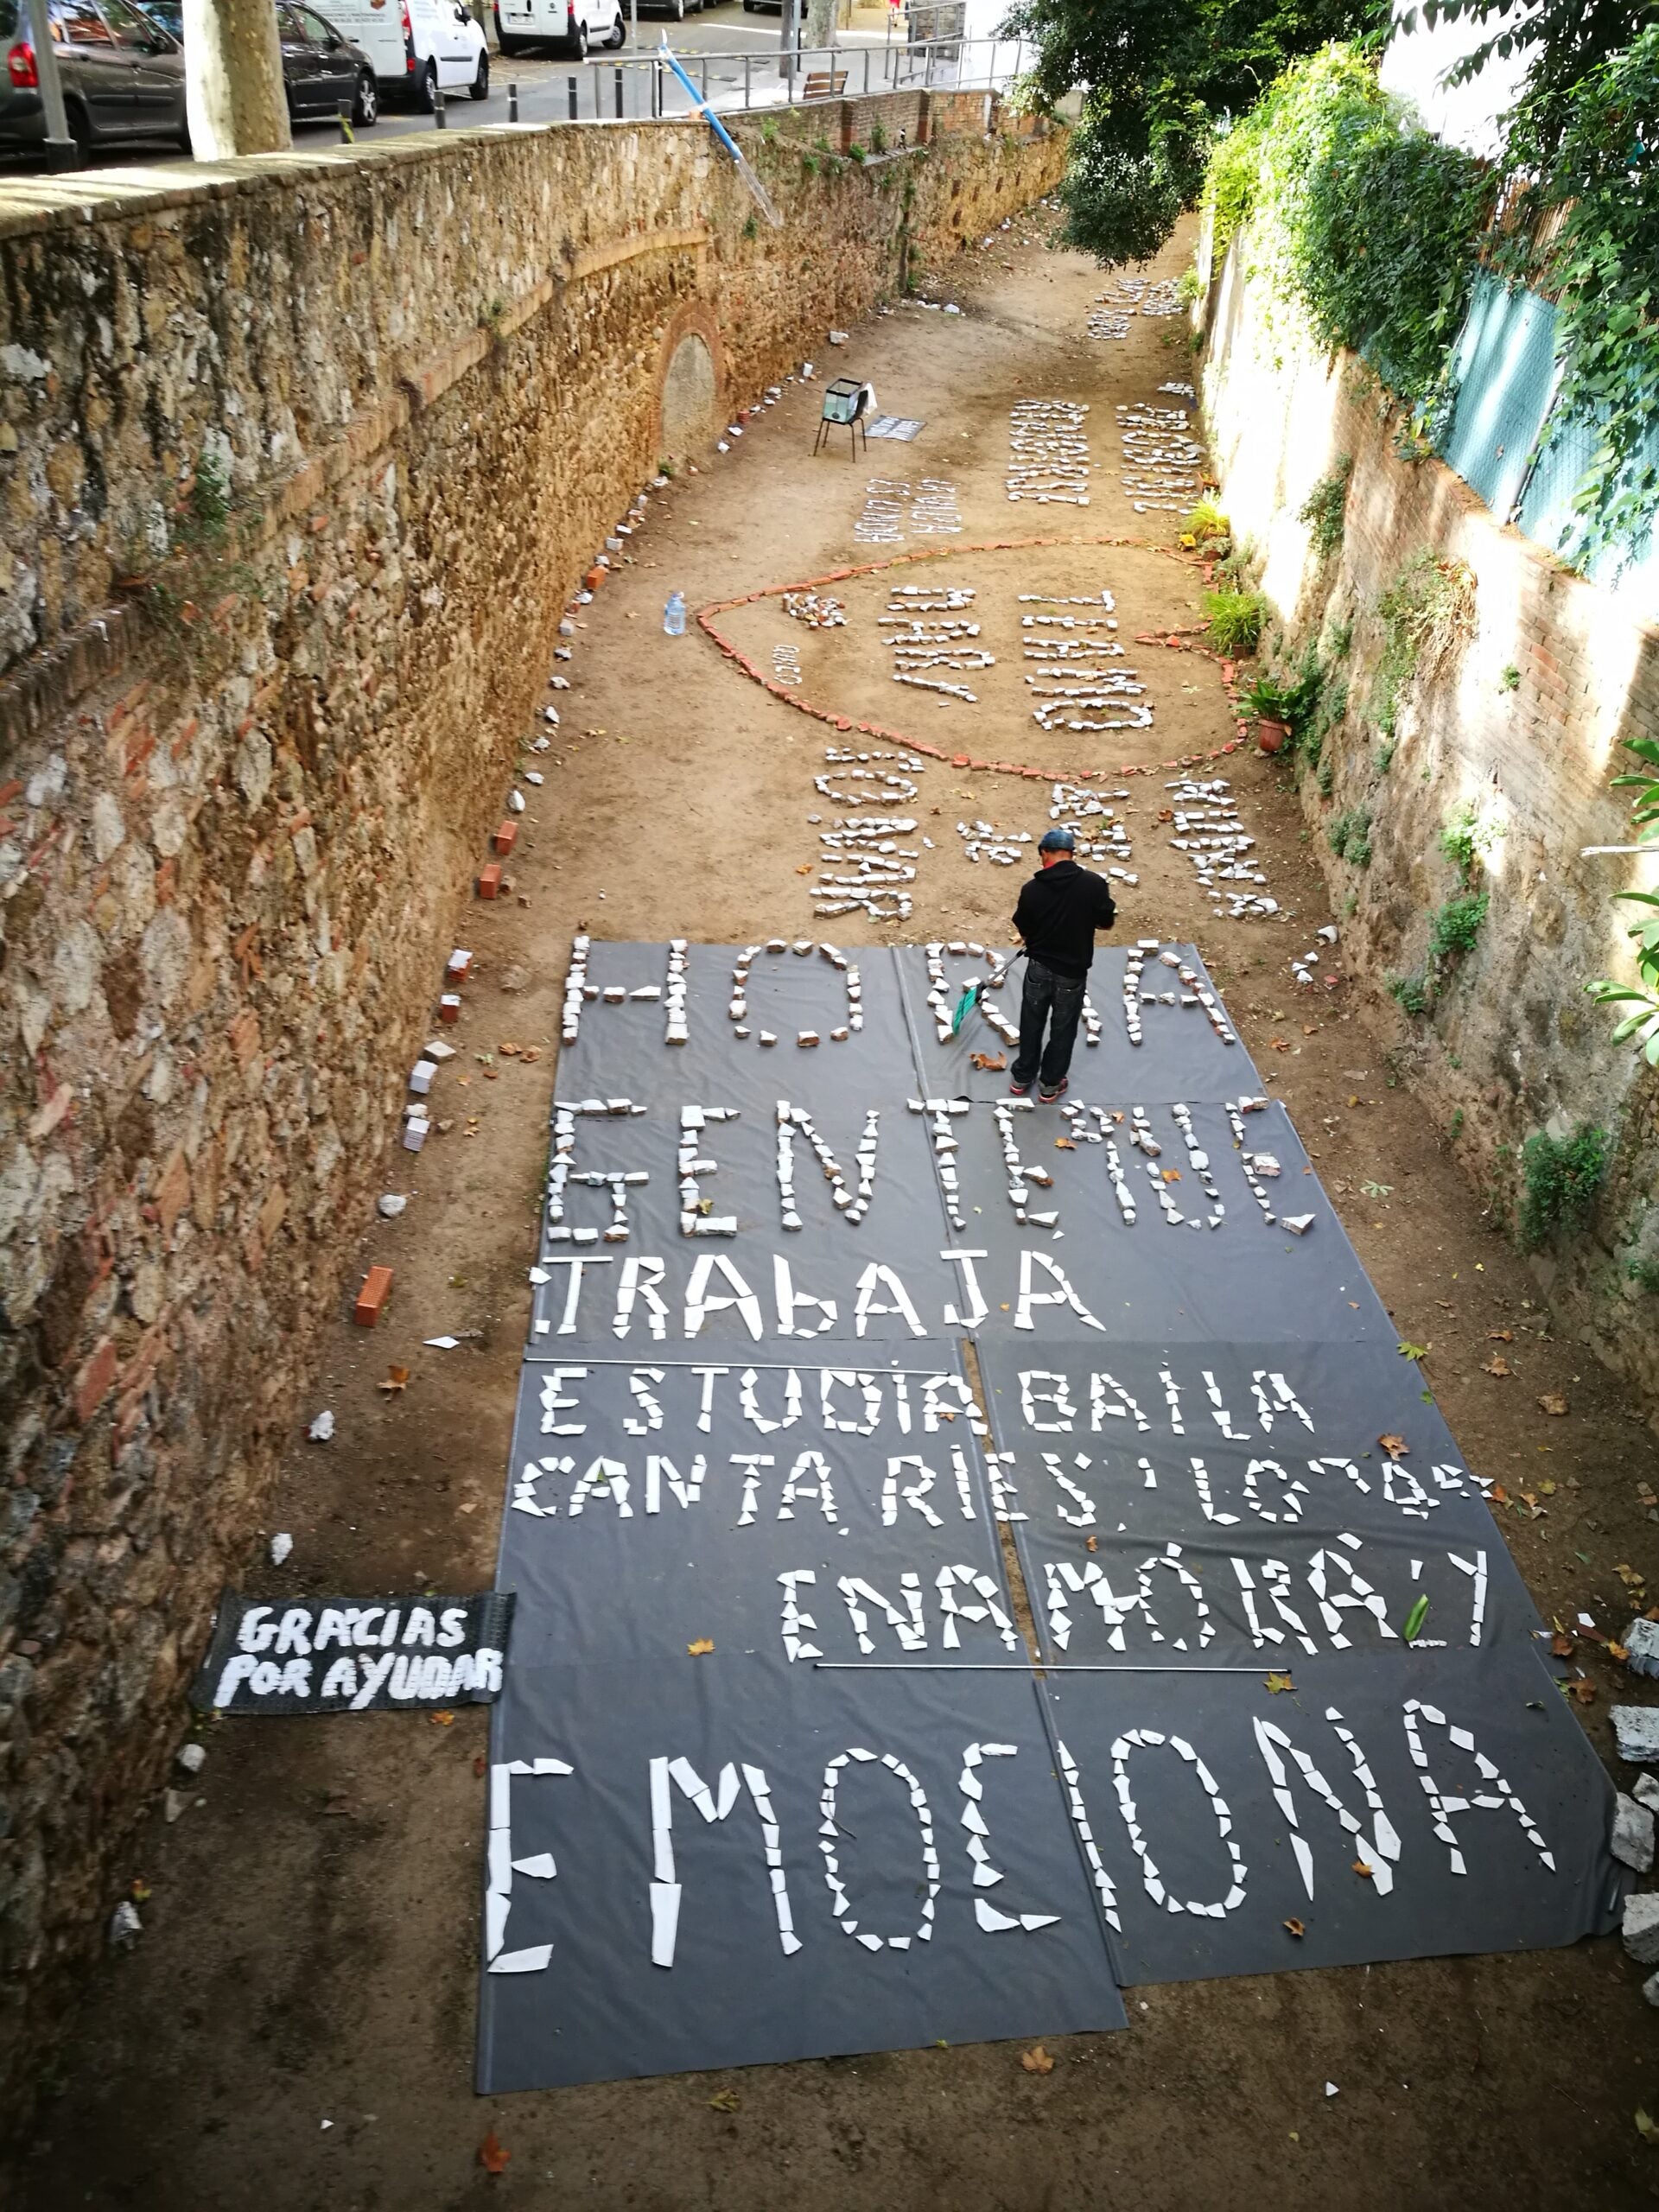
point(571, 25)
point(415, 46)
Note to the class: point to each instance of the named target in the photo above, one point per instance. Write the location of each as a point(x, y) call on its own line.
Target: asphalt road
point(740, 51)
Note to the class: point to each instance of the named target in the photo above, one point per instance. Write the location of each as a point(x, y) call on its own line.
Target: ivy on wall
point(1366, 228)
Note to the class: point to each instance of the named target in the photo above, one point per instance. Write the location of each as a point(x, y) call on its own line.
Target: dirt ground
point(294, 2028)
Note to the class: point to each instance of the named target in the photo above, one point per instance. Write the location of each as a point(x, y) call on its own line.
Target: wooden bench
point(824, 83)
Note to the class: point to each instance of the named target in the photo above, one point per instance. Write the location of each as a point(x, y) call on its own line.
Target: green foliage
point(1645, 1273)
point(1429, 607)
point(1560, 1178)
point(1269, 700)
point(1383, 756)
point(1350, 833)
point(1234, 619)
point(1583, 224)
point(1364, 225)
point(856, 153)
point(1157, 80)
point(1325, 507)
point(1189, 286)
point(1454, 1128)
point(1468, 837)
point(878, 139)
point(1453, 927)
point(1326, 774)
point(1642, 997)
point(1566, 39)
point(1511, 678)
point(1411, 993)
point(1207, 520)
point(1340, 638)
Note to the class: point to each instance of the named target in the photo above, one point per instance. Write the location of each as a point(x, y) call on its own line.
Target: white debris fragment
point(1640, 1928)
point(391, 1204)
point(1641, 1640)
point(322, 1428)
point(441, 1344)
point(280, 1546)
point(125, 1926)
point(1635, 1731)
point(1631, 1842)
point(191, 1756)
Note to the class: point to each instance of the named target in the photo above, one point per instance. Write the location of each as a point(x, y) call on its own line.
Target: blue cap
point(1058, 841)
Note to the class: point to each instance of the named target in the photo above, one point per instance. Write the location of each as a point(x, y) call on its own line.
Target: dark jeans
point(1052, 1002)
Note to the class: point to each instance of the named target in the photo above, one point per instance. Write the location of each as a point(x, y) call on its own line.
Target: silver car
point(122, 76)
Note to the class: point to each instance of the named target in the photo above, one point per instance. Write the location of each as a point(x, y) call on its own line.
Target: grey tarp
point(762, 1441)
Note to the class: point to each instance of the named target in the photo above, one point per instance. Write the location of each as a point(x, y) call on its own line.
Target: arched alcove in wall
point(691, 382)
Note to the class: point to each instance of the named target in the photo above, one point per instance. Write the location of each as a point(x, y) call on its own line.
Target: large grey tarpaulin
point(772, 1774)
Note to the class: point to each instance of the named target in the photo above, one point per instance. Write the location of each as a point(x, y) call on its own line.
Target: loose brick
point(371, 1300)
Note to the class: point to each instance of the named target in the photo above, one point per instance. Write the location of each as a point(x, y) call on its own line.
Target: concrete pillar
point(233, 79)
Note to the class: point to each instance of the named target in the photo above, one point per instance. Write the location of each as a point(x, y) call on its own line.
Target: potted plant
point(1271, 704)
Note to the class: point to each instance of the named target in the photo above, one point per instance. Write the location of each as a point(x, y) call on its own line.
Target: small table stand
point(844, 402)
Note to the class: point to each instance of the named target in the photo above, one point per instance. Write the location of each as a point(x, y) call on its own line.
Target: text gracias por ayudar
point(421, 1668)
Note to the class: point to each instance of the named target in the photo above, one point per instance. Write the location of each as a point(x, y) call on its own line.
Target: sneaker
point(1047, 1098)
point(1019, 1090)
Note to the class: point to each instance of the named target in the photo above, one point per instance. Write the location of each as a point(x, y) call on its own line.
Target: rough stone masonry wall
point(1525, 720)
point(241, 790)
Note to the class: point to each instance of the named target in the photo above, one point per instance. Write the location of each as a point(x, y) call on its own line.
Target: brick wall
point(241, 790)
point(1523, 721)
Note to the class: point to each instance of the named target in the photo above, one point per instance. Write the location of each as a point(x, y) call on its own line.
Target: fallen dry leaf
point(1500, 1335)
point(704, 1644)
point(1618, 1652)
point(1561, 1644)
point(442, 1719)
point(1553, 1403)
point(1396, 1446)
point(1037, 2060)
point(1498, 1494)
point(1361, 1869)
point(1091, 1543)
point(490, 2156)
point(1277, 1682)
point(1171, 1174)
point(480, 1765)
point(1294, 1928)
point(1646, 2128)
point(1583, 1691)
point(1064, 1144)
point(992, 1063)
point(805, 868)
point(1498, 1365)
point(724, 2100)
point(397, 1379)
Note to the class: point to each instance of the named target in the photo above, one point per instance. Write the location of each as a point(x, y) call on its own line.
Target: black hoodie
point(1060, 910)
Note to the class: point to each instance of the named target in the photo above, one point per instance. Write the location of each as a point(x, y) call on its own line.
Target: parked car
point(415, 46)
point(571, 25)
point(322, 71)
point(122, 76)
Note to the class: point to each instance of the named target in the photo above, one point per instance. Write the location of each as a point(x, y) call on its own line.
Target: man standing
point(1060, 910)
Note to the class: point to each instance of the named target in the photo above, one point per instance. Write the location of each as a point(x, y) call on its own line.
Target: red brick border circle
point(845, 722)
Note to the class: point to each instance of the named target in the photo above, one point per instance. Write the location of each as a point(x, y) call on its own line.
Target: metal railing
point(641, 86)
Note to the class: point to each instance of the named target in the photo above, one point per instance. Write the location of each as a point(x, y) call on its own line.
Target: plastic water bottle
point(674, 615)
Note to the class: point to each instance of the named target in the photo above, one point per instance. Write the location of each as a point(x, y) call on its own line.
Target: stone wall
point(1522, 721)
point(247, 762)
